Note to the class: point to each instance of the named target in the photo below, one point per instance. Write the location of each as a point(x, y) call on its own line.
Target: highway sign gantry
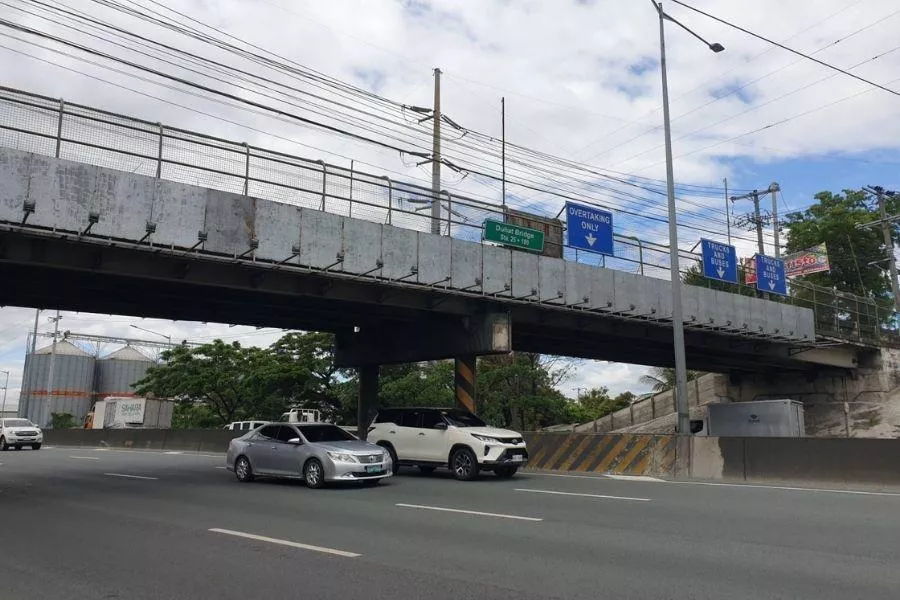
point(589, 228)
point(719, 261)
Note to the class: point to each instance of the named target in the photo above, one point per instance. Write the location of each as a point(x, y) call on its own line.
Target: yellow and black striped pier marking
point(465, 384)
point(622, 454)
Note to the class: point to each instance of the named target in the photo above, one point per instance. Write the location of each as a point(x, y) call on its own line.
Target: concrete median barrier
point(816, 460)
point(621, 454)
point(193, 440)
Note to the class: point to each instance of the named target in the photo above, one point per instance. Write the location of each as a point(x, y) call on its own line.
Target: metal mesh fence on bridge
point(53, 127)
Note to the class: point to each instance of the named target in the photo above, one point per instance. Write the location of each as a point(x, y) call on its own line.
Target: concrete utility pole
point(885, 223)
point(727, 211)
point(757, 218)
point(775, 188)
point(37, 316)
point(46, 420)
point(684, 415)
point(5, 386)
point(503, 147)
point(436, 157)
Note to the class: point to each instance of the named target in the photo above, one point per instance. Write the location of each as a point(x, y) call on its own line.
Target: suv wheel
point(395, 464)
point(3, 444)
point(464, 464)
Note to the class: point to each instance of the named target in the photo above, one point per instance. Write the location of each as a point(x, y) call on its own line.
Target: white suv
point(439, 437)
point(15, 433)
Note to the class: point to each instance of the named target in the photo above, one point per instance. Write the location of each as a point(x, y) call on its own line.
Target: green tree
point(519, 390)
point(304, 372)
point(856, 293)
point(234, 382)
point(662, 379)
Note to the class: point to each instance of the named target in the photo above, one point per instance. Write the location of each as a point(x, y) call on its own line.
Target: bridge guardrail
point(54, 127)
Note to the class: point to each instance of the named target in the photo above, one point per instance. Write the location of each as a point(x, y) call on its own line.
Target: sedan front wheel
point(314, 474)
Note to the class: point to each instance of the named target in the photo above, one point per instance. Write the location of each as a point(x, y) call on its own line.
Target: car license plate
point(518, 458)
point(373, 469)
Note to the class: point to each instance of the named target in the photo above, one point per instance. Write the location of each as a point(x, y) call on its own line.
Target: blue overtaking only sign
point(719, 261)
point(589, 228)
point(770, 275)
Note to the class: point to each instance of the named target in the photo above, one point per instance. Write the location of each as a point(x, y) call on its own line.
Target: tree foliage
point(662, 379)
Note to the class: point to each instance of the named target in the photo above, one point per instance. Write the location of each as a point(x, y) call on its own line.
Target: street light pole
point(681, 404)
point(5, 386)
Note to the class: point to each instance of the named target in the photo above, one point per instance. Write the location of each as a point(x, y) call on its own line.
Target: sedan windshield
point(18, 423)
point(462, 418)
point(325, 433)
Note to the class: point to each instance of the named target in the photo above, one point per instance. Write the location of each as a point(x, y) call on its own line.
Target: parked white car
point(16, 433)
point(443, 437)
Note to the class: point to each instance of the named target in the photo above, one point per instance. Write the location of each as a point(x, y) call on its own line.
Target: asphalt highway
point(105, 524)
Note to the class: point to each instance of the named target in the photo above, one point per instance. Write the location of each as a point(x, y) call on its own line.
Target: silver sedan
point(315, 452)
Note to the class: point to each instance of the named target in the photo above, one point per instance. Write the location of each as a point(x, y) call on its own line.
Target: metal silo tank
point(73, 379)
point(117, 373)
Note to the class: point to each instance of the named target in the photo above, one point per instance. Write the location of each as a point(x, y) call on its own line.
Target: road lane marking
point(173, 452)
point(469, 512)
point(634, 478)
point(221, 467)
point(131, 476)
point(601, 496)
point(786, 488)
point(84, 457)
point(529, 473)
point(290, 544)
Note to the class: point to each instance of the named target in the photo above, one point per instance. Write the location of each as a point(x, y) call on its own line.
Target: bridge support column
point(466, 392)
point(368, 399)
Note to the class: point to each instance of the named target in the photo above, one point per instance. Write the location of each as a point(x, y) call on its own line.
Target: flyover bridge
point(105, 213)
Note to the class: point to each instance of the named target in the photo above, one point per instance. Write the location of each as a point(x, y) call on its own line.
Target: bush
point(63, 420)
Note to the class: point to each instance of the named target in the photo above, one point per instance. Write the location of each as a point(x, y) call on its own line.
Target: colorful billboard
point(797, 264)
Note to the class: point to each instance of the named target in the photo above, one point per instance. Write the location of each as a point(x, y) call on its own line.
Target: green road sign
point(513, 235)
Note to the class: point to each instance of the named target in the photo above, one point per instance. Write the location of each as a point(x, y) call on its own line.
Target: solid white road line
point(131, 476)
point(790, 489)
point(288, 543)
point(221, 467)
point(469, 512)
point(84, 457)
point(634, 478)
point(601, 496)
point(528, 473)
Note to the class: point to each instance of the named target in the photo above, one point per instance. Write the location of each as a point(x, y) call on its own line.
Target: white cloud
point(580, 78)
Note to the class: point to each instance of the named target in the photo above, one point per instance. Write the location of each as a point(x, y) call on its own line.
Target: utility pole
point(436, 157)
point(503, 147)
point(885, 223)
point(37, 316)
point(757, 219)
point(46, 420)
point(775, 188)
point(727, 212)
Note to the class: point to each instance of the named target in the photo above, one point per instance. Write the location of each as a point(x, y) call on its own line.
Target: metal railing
point(54, 127)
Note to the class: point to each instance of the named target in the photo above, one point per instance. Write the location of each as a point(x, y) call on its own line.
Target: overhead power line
point(789, 49)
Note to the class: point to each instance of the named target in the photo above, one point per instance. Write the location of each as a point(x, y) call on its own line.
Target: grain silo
point(117, 372)
point(70, 392)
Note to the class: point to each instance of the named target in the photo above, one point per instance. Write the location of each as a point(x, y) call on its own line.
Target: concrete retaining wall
point(587, 453)
point(197, 440)
point(848, 461)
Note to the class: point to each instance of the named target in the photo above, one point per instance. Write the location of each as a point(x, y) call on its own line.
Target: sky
point(580, 80)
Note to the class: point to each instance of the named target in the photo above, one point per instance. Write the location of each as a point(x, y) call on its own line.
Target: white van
point(244, 425)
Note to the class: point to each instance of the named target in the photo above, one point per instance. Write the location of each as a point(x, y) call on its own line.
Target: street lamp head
point(717, 47)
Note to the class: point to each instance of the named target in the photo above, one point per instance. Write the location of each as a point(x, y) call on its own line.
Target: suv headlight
point(342, 457)
point(485, 438)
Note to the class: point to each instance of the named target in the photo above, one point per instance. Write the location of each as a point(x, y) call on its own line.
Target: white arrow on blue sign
point(770, 275)
point(719, 261)
point(589, 228)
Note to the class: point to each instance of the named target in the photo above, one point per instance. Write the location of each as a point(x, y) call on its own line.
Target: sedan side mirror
point(295, 441)
point(440, 425)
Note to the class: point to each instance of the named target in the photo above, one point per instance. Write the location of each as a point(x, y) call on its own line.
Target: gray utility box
point(761, 418)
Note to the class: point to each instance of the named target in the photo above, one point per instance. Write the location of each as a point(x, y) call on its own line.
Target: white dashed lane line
point(598, 496)
point(84, 457)
point(468, 512)
point(126, 476)
point(288, 543)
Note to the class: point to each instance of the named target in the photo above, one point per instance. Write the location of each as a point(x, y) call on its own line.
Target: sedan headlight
point(342, 457)
point(485, 438)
